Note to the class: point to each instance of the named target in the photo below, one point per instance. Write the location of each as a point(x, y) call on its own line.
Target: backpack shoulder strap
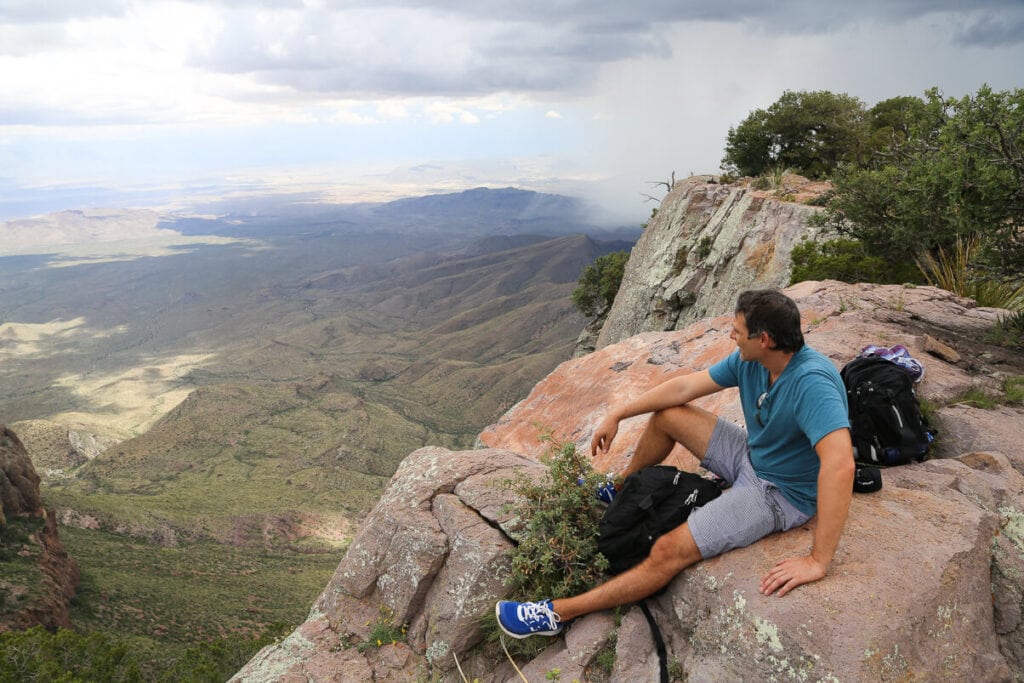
point(659, 642)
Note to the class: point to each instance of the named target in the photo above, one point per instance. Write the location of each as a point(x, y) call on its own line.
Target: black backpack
point(652, 502)
point(886, 423)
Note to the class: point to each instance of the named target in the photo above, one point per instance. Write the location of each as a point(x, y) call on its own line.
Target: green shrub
point(72, 657)
point(929, 409)
point(556, 554)
point(37, 655)
point(847, 260)
point(952, 168)
point(812, 133)
point(19, 530)
point(218, 660)
point(1014, 389)
point(599, 283)
point(997, 293)
point(654, 213)
point(776, 176)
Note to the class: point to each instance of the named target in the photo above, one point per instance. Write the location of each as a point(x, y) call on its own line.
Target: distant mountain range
point(480, 212)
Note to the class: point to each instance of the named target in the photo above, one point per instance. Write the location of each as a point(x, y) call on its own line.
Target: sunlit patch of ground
point(127, 403)
point(38, 340)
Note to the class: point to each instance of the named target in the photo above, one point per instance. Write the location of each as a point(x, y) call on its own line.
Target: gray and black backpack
point(886, 423)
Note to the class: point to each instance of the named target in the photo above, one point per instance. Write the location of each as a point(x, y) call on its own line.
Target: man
point(794, 459)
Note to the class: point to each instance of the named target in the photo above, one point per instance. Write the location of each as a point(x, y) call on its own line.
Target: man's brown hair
point(771, 311)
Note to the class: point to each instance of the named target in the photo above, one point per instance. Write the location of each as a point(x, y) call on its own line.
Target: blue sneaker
point(523, 619)
point(605, 491)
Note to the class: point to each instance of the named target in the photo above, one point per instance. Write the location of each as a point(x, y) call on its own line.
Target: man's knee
point(674, 552)
point(688, 425)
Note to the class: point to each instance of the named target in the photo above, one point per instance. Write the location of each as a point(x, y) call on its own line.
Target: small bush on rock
point(384, 632)
point(599, 283)
point(557, 550)
point(1014, 388)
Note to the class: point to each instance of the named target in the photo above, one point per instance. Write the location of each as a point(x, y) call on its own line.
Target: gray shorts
point(750, 509)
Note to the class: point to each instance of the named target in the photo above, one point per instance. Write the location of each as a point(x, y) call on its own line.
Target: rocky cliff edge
point(37, 578)
point(927, 583)
point(708, 242)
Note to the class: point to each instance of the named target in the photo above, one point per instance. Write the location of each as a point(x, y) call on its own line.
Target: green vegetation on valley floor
point(144, 612)
point(174, 597)
point(261, 394)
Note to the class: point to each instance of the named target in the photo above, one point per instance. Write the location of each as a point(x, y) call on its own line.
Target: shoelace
point(531, 612)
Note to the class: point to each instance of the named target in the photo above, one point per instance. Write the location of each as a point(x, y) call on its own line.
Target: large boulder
point(432, 555)
point(927, 583)
point(708, 242)
point(19, 483)
point(908, 597)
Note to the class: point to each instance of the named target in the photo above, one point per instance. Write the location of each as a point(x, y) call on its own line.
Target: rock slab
point(927, 583)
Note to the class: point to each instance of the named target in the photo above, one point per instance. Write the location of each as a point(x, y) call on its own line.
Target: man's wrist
point(817, 558)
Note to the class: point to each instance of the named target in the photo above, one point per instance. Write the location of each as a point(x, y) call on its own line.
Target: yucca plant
point(1009, 331)
point(951, 270)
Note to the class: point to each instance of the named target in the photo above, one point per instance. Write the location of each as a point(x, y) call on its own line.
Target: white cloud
point(449, 112)
point(644, 88)
point(391, 110)
point(349, 117)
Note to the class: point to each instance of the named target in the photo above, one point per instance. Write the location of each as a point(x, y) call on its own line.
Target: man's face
point(750, 349)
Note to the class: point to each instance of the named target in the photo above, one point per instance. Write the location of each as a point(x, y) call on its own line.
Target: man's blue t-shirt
point(806, 402)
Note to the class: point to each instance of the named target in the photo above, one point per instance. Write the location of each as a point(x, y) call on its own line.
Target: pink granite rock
point(927, 583)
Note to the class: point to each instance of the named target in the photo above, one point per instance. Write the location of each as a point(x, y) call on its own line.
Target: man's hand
point(790, 573)
point(604, 435)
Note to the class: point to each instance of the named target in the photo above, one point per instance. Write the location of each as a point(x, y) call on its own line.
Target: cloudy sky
point(118, 100)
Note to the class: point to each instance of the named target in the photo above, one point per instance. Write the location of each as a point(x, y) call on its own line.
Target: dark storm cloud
point(783, 15)
point(388, 48)
point(394, 51)
point(993, 31)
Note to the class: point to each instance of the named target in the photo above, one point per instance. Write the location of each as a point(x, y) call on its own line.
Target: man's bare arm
point(835, 488)
point(676, 391)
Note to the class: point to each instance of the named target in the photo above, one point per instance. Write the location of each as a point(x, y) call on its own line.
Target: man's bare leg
point(688, 425)
point(671, 554)
point(675, 551)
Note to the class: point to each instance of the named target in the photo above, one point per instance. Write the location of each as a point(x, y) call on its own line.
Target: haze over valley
point(251, 374)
